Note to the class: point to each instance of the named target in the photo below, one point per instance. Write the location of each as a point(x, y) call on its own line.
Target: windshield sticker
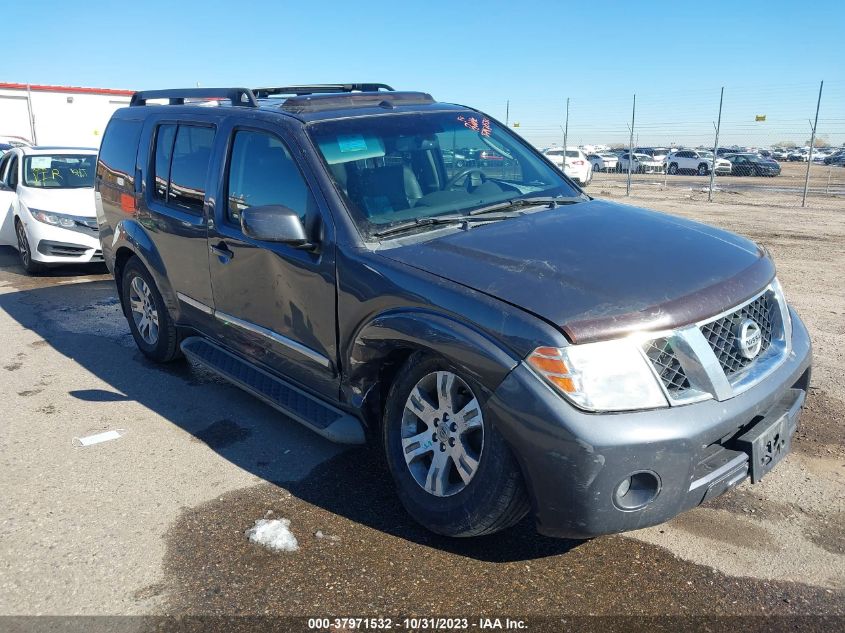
point(352, 143)
point(483, 127)
point(41, 175)
point(40, 162)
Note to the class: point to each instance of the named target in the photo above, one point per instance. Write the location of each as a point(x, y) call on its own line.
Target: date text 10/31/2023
point(416, 624)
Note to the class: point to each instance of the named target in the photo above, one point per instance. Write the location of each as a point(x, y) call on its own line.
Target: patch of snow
point(274, 534)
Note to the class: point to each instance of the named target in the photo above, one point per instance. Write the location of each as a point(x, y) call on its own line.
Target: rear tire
point(31, 266)
point(673, 169)
point(454, 472)
point(152, 328)
point(702, 169)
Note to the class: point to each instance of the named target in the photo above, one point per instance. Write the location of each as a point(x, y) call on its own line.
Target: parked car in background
point(724, 151)
point(833, 157)
point(47, 206)
point(838, 160)
point(603, 161)
point(577, 166)
point(819, 155)
point(799, 155)
point(752, 165)
point(656, 153)
point(640, 164)
point(15, 141)
point(697, 161)
point(780, 154)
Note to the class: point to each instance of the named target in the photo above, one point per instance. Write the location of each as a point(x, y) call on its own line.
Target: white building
point(58, 115)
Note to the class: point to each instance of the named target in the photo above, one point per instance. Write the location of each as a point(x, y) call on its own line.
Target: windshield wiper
point(518, 203)
point(432, 221)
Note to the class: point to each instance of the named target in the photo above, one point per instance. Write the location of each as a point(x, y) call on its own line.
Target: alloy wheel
point(143, 309)
point(442, 433)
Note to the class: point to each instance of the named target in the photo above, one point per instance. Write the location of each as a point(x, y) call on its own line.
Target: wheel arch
point(384, 343)
point(132, 240)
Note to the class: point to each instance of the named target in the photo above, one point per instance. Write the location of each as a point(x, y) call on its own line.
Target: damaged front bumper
point(590, 474)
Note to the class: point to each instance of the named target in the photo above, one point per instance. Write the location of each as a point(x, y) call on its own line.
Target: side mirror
point(274, 223)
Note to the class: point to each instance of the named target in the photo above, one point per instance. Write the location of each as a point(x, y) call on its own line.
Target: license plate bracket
point(768, 441)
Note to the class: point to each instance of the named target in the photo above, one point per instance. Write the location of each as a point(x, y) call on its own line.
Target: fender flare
point(129, 234)
point(376, 342)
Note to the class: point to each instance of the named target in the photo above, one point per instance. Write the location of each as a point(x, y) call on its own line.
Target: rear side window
point(261, 172)
point(180, 167)
point(116, 163)
point(163, 153)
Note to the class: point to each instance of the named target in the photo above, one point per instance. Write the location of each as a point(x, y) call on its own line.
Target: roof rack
point(263, 93)
point(237, 96)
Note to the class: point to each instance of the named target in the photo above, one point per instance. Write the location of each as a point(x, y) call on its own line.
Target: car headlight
point(605, 376)
point(54, 219)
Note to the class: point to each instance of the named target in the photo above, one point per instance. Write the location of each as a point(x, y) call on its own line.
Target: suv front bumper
point(573, 462)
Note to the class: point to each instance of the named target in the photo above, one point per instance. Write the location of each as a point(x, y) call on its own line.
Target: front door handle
point(222, 251)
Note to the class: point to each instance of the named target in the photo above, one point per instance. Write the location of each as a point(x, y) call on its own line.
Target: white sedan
point(641, 164)
point(603, 161)
point(47, 206)
point(577, 167)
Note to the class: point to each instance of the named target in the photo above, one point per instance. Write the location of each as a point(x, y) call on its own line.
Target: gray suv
point(512, 344)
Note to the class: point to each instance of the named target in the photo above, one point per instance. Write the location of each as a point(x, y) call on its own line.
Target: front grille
point(721, 335)
point(662, 357)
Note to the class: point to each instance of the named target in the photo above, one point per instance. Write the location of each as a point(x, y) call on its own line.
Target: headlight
point(606, 376)
point(54, 219)
point(784, 312)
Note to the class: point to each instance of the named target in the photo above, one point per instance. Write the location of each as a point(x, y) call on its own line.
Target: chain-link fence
point(749, 140)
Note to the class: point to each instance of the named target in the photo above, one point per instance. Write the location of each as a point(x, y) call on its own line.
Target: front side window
point(262, 172)
point(396, 168)
point(59, 171)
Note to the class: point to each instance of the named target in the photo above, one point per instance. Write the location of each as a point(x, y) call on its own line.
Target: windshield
point(398, 168)
point(59, 171)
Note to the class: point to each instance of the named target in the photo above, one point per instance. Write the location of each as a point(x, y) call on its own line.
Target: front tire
point(673, 169)
point(454, 473)
point(152, 327)
point(25, 251)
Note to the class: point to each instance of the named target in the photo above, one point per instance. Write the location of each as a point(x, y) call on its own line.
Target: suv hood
point(77, 201)
point(599, 270)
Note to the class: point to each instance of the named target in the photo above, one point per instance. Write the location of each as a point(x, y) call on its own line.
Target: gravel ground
point(153, 523)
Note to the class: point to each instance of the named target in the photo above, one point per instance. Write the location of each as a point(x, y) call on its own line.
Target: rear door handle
point(222, 251)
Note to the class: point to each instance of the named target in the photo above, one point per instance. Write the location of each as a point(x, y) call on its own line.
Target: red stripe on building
point(77, 89)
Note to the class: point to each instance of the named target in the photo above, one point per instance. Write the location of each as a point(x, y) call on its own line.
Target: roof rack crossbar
point(263, 93)
point(237, 96)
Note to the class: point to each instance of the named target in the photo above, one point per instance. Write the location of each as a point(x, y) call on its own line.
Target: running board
point(320, 417)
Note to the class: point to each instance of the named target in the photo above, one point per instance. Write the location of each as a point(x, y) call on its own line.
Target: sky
point(675, 56)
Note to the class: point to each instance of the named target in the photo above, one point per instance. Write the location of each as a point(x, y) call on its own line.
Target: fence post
point(812, 143)
point(716, 147)
point(565, 135)
point(631, 146)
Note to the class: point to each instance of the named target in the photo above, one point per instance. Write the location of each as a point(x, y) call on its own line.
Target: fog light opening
point(637, 490)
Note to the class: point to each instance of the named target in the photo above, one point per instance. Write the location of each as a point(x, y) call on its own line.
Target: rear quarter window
point(116, 162)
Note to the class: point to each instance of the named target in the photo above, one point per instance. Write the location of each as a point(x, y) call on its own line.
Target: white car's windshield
point(59, 171)
point(399, 168)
